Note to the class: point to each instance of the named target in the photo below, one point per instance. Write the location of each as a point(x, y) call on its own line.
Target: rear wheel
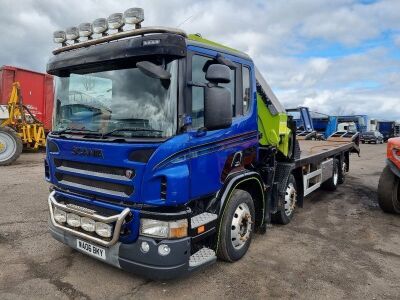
point(389, 191)
point(237, 226)
point(288, 204)
point(342, 172)
point(332, 183)
point(10, 146)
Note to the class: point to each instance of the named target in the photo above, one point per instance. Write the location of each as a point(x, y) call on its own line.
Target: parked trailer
point(37, 91)
point(189, 152)
point(387, 128)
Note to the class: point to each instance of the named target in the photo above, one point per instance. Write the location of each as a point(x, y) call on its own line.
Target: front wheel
point(288, 204)
point(236, 227)
point(389, 191)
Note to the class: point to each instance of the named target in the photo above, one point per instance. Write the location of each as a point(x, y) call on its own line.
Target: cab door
point(211, 151)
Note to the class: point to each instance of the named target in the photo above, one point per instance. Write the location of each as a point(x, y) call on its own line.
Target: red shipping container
point(37, 91)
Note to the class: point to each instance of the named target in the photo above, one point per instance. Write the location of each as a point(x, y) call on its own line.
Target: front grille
point(92, 184)
point(90, 167)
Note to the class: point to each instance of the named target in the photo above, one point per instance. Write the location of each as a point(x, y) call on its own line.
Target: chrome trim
point(121, 35)
point(115, 218)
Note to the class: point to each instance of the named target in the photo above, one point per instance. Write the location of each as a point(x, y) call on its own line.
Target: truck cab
point(169, 150)
point(166, 122)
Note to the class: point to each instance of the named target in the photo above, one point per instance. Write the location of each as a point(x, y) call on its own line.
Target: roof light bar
point(84, 32)
point(134, 16)
point(116, 21)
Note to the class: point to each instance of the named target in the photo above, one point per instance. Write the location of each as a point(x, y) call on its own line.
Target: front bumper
point(129, 255)
point(131, 258)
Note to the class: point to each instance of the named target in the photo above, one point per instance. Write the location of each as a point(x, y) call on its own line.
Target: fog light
point(164, 250)
point(115, 21)
point(59, 37)
point(88, 224)
point(60, 216)
point(100, 26)
point(134, 16)
point(103, 229)
point(72, 33)
point(73, 220)
point(85, 30)
point(145, 247)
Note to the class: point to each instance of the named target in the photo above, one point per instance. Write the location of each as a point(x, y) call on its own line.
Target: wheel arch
point(250, 182)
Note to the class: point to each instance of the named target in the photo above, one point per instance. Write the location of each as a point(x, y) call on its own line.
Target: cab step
point(204, 256)
point(202, 219)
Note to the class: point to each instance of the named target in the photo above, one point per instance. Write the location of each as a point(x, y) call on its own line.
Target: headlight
point(103, 229)
point(396, 153)
point(60, 216)
point(115, 21)
point(164, 229)
point(73, 220)
point(100, 25)
point(88, 224)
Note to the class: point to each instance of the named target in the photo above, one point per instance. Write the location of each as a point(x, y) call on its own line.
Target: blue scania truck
point(169, 150)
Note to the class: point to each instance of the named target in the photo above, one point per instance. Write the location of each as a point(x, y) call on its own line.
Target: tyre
point(363, 142)
point(332, 183)
point(389, 191)
point(236, 227)
point(285, 213)
point(342, 173)
point(10, 146)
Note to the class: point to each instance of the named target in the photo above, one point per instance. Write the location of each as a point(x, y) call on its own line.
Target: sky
point(336, 57)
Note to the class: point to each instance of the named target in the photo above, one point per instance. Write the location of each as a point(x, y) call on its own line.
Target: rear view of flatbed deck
point(325, 163)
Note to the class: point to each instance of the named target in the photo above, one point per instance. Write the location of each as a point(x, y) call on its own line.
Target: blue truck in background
point(386, 128)
point(177, 152)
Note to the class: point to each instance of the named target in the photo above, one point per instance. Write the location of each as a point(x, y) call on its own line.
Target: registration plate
point(91, 249)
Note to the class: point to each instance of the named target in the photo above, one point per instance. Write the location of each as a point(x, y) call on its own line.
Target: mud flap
point(283, 170)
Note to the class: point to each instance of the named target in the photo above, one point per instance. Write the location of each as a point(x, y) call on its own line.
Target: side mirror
point(218, 73)
point(217, 99)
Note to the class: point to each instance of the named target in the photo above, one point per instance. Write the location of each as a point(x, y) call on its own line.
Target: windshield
point(123, 102)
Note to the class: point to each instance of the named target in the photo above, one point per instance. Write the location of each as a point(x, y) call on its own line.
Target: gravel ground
point(340, 245)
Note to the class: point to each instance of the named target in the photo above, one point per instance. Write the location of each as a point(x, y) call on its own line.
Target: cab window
point(200, 65)
point(246, 89)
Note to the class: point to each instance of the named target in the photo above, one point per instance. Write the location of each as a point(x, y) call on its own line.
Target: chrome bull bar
point(118, 219)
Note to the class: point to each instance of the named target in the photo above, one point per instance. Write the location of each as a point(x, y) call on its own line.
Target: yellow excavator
point(19, 128)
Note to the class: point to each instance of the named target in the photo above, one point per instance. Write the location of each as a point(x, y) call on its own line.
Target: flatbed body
point(316, 151)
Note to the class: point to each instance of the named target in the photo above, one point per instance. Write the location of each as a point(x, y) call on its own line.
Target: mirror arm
point(198, 84)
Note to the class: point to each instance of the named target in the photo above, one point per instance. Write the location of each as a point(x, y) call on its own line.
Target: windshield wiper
point(112, 132)
point(74, 130)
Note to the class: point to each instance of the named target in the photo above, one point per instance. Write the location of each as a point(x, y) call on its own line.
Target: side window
point(200, 65)
point(246, 89)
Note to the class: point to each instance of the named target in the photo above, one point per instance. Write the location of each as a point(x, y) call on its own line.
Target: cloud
point(330, 55)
